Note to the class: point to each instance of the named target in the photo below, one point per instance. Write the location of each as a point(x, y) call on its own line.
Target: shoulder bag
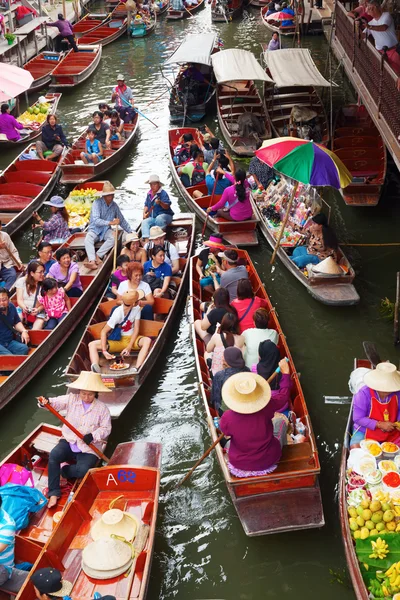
point(116, 334)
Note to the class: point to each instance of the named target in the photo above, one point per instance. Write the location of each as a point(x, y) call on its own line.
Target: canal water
point(201, 551)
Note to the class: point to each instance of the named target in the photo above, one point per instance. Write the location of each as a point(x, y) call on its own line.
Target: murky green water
point(201, 551)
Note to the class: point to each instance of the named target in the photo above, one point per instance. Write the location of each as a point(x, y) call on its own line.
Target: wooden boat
point(162, 9)
point(224, 13)
point(25, 551)
point(78, 173)
point(76, 66)
point(275, 26)
point(33, 134)
point(145, 29)
point(334, 290)
point(125, 384)
point(360, 146)
point(44, 343)
point(175, 15)
point(89, 22)
point(41, 67)
point(131, 480)
point(270, 503)
point(238, 233)
point(24, 186)
point(258, 3)
point(104, 34)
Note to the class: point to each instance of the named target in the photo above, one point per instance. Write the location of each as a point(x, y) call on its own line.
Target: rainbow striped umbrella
point(305, 161)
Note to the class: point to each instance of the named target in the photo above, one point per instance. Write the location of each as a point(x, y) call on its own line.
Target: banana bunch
point(87, 192)
point(393, 574)
point(396, 508)
point(382, 496)
point(379, 549)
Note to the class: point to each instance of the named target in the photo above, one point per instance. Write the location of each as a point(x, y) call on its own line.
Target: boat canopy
point(294, 66)
point(195, 48)
point(237, 65)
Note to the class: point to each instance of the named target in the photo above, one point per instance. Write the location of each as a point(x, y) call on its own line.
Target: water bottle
point(216, 422)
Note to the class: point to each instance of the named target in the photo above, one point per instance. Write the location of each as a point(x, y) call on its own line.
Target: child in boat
point(116, 126)
point(55, 302)
point(119, 275)
point(93, 150)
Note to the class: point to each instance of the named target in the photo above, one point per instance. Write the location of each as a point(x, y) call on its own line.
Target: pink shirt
point(54, 305)
point(241, 210)
point(8, 126)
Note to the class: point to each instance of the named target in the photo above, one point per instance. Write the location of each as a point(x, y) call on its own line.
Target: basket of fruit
point(79, 204)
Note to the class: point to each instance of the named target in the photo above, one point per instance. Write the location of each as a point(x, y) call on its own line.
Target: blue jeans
point(186, 180)
point(357, 437)
point(162, 221)
point(14, 347)
point(9, 276)
point(63, 453)
point(126, 113)
point(301, 258)
point(53, 321)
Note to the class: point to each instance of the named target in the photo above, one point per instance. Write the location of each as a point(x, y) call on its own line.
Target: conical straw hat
point(246, 393)
point(385, 378)
point(90, 382)
point(115, 522)
point(328, 266)
point(105, 556)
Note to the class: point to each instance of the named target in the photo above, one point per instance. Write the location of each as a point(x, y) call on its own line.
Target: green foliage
point(387, 309)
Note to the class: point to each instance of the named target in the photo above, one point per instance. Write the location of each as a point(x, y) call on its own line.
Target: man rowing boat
point(122, 95)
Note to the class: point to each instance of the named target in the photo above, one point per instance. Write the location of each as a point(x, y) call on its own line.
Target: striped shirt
point(102, 214)
point(7, 536)
point(96, 420)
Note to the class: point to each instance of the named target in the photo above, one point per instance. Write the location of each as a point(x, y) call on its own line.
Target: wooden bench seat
point(147, 328)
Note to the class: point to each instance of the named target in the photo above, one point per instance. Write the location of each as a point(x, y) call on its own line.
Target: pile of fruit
point(372, 516)
point(79, 204)
point(35, 115)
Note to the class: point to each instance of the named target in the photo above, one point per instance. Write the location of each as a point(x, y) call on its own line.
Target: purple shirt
point(241, 210)
point(253, 446)
point(74, 446)
point(63, 26)
point(55, 271)
point(8, 126)
point(362, 408)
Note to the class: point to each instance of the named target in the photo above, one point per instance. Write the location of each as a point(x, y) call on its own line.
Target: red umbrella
point(280, 16)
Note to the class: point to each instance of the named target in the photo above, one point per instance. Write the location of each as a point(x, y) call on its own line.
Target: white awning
point(293, 66)
point(195, 48)
point(237, 65)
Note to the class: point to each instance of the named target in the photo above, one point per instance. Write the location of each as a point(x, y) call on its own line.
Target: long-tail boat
point(104, 34)
point(222, 12)
point(18, 370)
point(25, 552)
point(175, 15)
point(76, 67)
point(130, 482)
point(35, 132)
point(358, 143)
point(163, 7)
point(125, 384)
point(276, 26)
point(238, 233)
point(89, 22)
point(41, 67)
point(24, 186)
point(289, 498)
point(144, 29)
point(75, 171)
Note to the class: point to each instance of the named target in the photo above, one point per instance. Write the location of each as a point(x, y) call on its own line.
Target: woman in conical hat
point(88, 415)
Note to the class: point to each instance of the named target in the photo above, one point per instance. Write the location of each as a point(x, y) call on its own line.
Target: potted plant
point(10, 37)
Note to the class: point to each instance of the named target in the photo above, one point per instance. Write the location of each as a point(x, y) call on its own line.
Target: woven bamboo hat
point(90, 382)
point(246, 393)
point(328, 266)
point(131, 297)
point(106, 558)
point(107, 190)
point(385, 378)
point(115, 522)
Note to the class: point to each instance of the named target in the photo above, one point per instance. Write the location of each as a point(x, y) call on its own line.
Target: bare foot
point(91, 264)
point(98, 260)
point(53, 500)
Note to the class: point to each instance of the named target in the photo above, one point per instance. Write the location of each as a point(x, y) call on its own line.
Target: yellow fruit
point(380, 526)
point(360, 521)
point(391, 526)
point(388, 516)
point(364, 533)
point(377, 516)
point(370, 525)
point(386, 506)
point(353, 524)
point(357, 534)
point(365, 503)
point(360, 510)
point(366, 514)
point(375, 506)
point(372, 532)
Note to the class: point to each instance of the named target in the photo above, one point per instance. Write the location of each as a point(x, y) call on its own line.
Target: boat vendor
point(256, 434)
point(322, 243)
point(10, 323)
point(237, 197)
point(157, 207)
point(9, 258)
point(122, 95)
point(65, 29)
point(53, 139)
point(261, 172)
point(48, 584)
point(56, 228)
point(11, 579)
point(89, 416)
point(376, 406)
point(9, 126)
point(105, 213)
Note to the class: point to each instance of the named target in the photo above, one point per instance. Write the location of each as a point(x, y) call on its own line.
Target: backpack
point(198, 175)
point(183, 155)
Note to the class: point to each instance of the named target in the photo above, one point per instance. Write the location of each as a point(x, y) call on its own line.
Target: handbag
point(17, 336)
point(116, 334)
point(32, 318)
point(154, 282)
point(246, 312)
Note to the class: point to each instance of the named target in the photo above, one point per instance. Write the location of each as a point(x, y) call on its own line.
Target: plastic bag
point(12, 473)
point(19, 500)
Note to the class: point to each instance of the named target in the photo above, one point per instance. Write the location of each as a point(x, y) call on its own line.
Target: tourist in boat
point(256, 434)
point(322, 242)
point(269, 361)
point(91, 418)
point(158, 273)
point(104, 108)
point(220, 166)
point(289, 11)
point(134, 283)
point(133, 250)
point(53, 139)
point(45, 255)
point(10, 323)
point(213, 314)
point(122, 95)
point(127, 318)
point(118, 276)
point(230, 272)
point(194, 171)
point(182, 150)
point(9, 126)
point(376, 406)
point(55, 230)
point(116, 126)
point(157, 207)
point(261, 172)
point(257, 334)
point(105, 214)
point(207, 261)
point(93, 153)
point(48, 584)
point(102, 132)
point(271, 8)
point(157, 237)
point(55, 302)
point(177, 5)
point(360, 12)
point(225, 336)
point(232, 363)
point(246, 304)
point(9, 257)
point(237, 196)
point(383, 30)
point(274, 43)
point(11, 578)
point(28, 290)
point(65, 29)
point(215, 148)
point(66, 272)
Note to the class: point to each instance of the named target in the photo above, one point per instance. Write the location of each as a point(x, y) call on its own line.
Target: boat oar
point(285, 220)
point(191, 14)
point(73, 429)
point(115, 248)
point(209, 206)
point(372, 353)
point(158, 97)
point(144, 116)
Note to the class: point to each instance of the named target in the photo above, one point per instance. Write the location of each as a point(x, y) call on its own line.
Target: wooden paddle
point(115, 248)
point(372, 353)
point(209, 206)
point(285, 220)
point(73, 429)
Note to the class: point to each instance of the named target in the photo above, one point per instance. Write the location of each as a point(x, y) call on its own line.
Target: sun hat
point(154, 179)
point(89, 382)
point(131, 297)
point(207, 137)
point(234, 358)
point(49, 581)
point(106, 558)
point(230, 255)
point(385, 378)
point(246, 393)
point(156, 232)
point(107, 190)
point(131, 237)
point(55, 201)
point(120, 77)
point(214, 242)
point(115, 522)
point(328, 266)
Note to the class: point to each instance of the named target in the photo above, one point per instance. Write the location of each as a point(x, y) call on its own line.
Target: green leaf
point(364, 549)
